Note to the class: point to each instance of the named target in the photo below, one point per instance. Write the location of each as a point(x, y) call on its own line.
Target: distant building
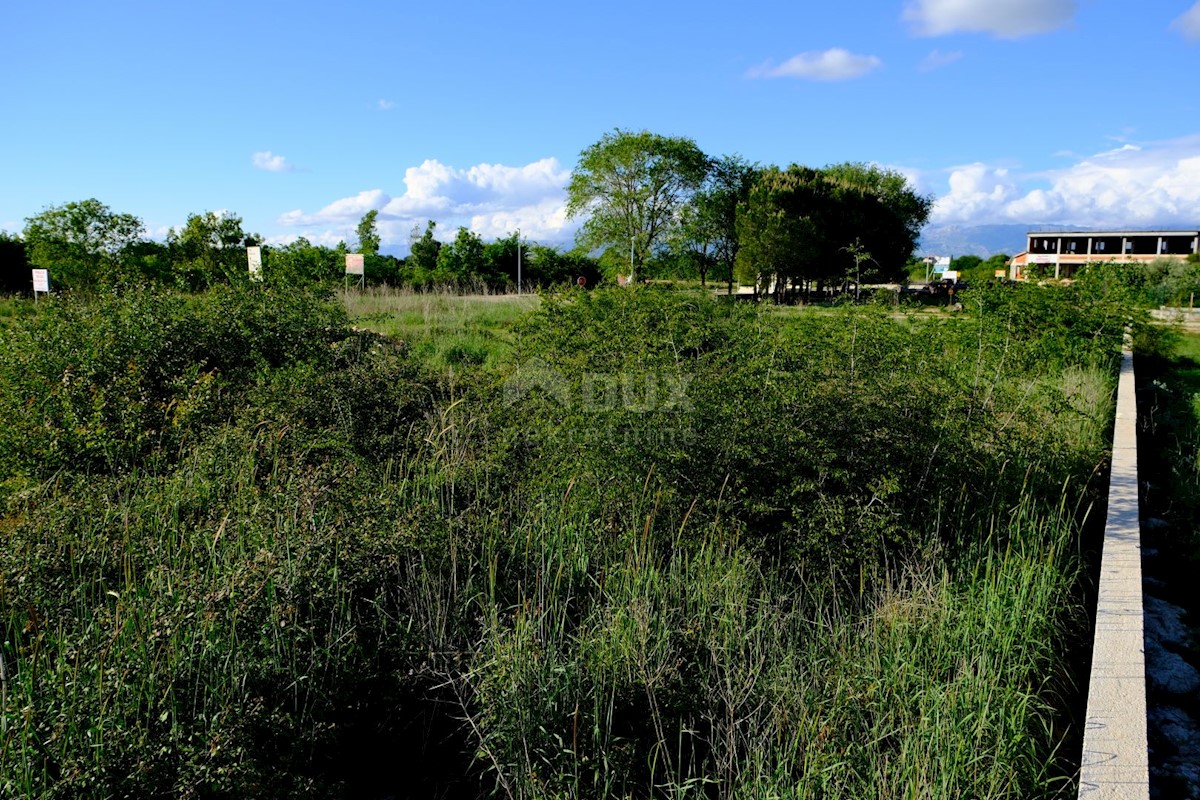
point(1065, 251)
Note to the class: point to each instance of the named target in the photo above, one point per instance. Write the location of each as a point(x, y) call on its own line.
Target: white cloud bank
point(1132, 186)
point(266, 160)
point(1008, 19)
point(1188, 23)
point(491, 199)
point(834, 64)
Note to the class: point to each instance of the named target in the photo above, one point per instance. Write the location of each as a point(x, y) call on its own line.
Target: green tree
point(780, 231)
point(368, 234)
point(423, 254)
point(301, 262)
point(881, 211)
point(80, 243)
point(210, 249)
point(707, 236)
point(461, 262)
point(631, 187)
point(500, 262)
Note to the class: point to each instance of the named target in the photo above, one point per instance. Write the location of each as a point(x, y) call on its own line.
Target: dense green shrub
point(670, 546)
point(112, 382)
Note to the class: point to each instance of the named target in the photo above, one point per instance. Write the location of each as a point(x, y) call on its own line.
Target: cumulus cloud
point(1008, 19)
point(490, 199)
point(834, 64)
point(270, 162)
point(1151, 184)
point(937, 59)
point(1188, 23)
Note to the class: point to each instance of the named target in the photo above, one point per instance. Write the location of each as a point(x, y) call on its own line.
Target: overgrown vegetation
point(652, 546)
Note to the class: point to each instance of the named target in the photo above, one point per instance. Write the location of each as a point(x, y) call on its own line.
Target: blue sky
point(301, 116)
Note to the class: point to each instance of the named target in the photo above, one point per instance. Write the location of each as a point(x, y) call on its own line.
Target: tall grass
point(444, 327)
point(345, 574)
point(620, 668)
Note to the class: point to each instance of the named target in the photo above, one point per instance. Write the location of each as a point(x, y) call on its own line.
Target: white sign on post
point(41, 281)
point(354, 264)
point(254, 259)
point(941, 264)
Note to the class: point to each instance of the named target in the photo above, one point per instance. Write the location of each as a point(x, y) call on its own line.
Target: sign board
point(999, 273)
point(941, 263)
point(41, 281)
point(354, 264)
point(1042, 258)
point(254, 259)
point(950, 274)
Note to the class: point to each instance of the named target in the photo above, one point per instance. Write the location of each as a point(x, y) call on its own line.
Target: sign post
point(354, 266)
point(41, 282)
point(254, 261)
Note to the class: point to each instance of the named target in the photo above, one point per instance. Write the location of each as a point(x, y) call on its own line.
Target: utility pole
point(518, 260)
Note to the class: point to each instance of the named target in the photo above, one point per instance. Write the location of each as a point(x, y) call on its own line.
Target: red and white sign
point(41, 281)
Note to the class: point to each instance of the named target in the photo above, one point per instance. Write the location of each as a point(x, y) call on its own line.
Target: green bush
point(117, 381)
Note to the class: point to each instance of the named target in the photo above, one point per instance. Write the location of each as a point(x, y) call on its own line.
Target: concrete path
point(1115, 762)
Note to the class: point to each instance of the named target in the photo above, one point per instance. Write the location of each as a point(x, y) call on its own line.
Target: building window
point(1099, 247)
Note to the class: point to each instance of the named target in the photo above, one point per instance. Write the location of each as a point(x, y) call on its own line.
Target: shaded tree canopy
point(848, 221)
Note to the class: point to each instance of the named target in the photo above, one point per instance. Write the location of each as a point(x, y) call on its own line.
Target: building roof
point(1100, 234)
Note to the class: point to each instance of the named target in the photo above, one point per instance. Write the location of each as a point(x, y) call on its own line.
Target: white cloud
point(270, 162)
point(327, 238)
point(1156, 183)
point(385, 105)
point(1188, 23)
point(1008, 19)
point(937, 59)
point(834, 64)
point(490, 199)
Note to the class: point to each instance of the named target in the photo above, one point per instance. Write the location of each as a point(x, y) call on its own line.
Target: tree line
point(86, 245)
point(650, 206)
point(651, 203)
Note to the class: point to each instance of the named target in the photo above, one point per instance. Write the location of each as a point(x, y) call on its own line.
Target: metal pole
point(518, 260)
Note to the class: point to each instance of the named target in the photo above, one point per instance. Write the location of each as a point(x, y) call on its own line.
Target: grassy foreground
point(651, 546)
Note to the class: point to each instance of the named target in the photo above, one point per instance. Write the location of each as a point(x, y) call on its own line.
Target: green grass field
point(443, 328)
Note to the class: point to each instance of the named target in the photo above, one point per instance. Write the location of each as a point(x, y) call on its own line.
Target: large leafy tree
point(781, 228)
point(631, 187)
point(848, 222)
point(881, 211)
point(708, 233)
point(80, 243)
